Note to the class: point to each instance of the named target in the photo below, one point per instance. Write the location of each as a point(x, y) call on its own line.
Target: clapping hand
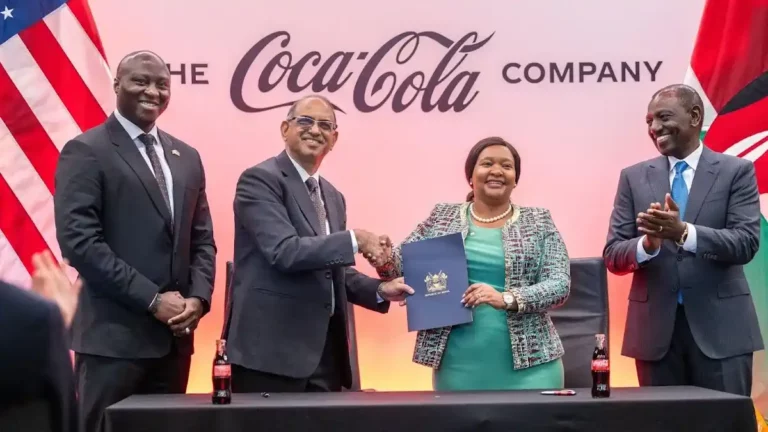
point(662, 224)
point(50, 281)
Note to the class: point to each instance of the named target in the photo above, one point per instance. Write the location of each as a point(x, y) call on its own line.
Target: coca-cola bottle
point(222, 375)
point(601, 369)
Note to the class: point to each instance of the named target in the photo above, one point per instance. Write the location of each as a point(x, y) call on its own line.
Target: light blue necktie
point(680, 196)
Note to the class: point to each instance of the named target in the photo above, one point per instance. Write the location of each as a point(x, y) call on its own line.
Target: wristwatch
point(509, 299)
point(680, 242)
point(155, 304)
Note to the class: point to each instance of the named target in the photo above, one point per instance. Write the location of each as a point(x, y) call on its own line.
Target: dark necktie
point(314, 194)
point(149, 144)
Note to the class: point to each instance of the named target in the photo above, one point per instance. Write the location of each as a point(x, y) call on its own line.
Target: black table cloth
point(628, 409)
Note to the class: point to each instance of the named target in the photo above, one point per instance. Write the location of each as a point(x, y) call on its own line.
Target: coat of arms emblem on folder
point(436, 283)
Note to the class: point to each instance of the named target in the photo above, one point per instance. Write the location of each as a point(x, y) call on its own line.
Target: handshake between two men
point(377, 249)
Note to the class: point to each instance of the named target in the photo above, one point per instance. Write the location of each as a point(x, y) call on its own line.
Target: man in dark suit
point(132, 217)
point(691, 320)
point(37, 390)
point(287, 329)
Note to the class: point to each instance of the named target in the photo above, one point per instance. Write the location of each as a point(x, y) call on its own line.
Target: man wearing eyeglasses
point(286, 329)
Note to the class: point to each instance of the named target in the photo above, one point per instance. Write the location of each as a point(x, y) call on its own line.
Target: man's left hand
point(667, 222)
point(184, 323)
point(395, 290)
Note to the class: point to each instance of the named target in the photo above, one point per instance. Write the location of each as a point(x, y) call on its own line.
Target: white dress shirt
point(693, 162)
point(134, 132)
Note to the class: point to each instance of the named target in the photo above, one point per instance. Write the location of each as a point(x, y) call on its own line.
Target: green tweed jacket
point(537, 274)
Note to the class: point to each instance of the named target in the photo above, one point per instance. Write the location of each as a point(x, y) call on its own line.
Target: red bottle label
point(600, 365)
point(222, 371)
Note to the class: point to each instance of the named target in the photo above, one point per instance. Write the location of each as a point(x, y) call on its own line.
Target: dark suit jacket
point(723, 204)
point(281, 287)
point(114, 227)
point(36, 383)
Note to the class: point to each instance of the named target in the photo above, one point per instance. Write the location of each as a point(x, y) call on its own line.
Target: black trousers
point(104, 381)
point(685, 364)
point(326, 378)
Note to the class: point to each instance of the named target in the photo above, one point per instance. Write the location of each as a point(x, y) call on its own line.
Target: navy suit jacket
point(280, 299)
point(116, 230)
point(723, 204)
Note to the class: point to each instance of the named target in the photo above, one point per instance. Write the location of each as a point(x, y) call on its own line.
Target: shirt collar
point(133, 130)
point(303, 173)
point(692, 160)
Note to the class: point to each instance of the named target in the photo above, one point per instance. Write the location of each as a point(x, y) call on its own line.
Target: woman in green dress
point(518, 270)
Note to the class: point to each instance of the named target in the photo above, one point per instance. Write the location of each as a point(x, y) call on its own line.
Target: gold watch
point(681, 241)
point(509, 299)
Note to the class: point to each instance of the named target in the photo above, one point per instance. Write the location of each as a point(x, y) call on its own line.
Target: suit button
point(327, 275)
point(679, 258)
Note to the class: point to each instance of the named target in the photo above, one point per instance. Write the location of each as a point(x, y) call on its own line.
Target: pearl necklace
point(489, 220)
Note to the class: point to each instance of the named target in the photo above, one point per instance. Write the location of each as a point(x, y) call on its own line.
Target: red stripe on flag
point(27, 131)
point(752, 147)
point(63, 76)
point(730, 47)
point(21, 232)
point(82, 12)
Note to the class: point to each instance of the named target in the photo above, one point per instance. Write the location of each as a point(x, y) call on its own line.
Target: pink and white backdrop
point(401, 149)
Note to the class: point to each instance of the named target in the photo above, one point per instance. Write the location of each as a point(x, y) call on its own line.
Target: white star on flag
point(7, 13)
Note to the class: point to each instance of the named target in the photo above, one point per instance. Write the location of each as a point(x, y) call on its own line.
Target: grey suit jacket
point(723, 204)
point(115, 229)
point(281, 286)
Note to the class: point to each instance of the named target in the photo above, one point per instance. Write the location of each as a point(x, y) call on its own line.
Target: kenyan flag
point(729, 68)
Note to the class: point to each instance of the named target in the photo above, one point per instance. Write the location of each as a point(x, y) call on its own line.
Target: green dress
point(479, 354)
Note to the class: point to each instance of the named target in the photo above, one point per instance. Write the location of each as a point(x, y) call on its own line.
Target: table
point(628, 409)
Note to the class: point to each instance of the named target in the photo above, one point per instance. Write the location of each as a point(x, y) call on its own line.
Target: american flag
point(54, 83)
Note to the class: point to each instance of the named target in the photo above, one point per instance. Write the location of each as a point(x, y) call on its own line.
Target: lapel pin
point(175, 152)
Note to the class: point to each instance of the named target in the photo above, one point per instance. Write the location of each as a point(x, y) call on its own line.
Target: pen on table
point(559, 392)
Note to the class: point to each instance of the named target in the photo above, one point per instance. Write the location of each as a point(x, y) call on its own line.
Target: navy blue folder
point(436, 269)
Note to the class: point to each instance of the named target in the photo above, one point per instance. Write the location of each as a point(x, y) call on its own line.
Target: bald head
point(137, 56)
point(305, 99)
point(143, 88)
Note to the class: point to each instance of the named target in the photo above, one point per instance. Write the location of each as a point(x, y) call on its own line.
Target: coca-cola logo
point(600, 365)
point(443, 88)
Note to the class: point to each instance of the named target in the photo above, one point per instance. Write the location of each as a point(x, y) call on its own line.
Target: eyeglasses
point(306, 122)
